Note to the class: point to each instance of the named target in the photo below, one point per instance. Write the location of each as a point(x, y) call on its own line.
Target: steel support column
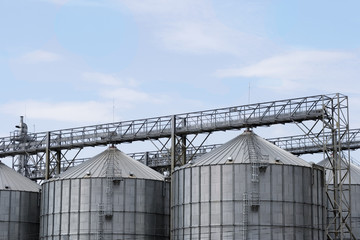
point(338, 189)
point(47, 157)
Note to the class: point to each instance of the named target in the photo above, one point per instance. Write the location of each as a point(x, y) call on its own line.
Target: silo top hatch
point(122, 165)
point(11, 180)
point(246, 146)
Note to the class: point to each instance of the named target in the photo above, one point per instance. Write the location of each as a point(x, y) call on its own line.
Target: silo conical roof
point(355, 171)
point(122, 165)
point(11, 180)
point(244, 147)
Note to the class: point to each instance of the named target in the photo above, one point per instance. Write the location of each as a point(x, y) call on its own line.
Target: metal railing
point(252, 115)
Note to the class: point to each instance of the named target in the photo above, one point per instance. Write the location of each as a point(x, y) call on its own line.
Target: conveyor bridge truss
point(323, 119)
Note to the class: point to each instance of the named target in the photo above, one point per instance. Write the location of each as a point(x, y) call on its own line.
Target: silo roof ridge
point(123, 165)
point(238, 149)
point(14, 181)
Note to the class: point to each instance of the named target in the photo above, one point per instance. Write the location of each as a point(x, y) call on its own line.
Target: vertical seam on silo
point(209, 207)
point(221, 202)
point(89, 206)
point(124, 206)
point(233, 199)
point(19, 216)
point(294, 199)
point(303, 204)
point(79, 209)
point(191, 201)
point(61, 205)
point(10, 192)
point(200, 205)
point(46, 213)
point(135, 212)
point(312, 228)
point(183, 203)
point(69, 208)
point(283, 201)
point(271, 202)
point(53, 208)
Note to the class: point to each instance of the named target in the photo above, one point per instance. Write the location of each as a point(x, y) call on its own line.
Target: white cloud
point(87, 3)
point(193, 27)
point(169, 8)
point(299, 70)
point(77, 112)
point(39, 56)
point(107, 79)
point(126, 95)
point(205, 37)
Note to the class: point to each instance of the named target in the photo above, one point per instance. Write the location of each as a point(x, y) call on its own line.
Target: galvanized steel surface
point(19, 206)
point(209, 203)
point(70, 209)
point(355, 192)
point(237, 150)
point(123, 164)
point(248, 189)
point(355, 171)
point(109, 197)
point(11, 180)
point(19, 215)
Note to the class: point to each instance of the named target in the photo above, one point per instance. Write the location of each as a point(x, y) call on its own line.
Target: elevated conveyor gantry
point(327, 112)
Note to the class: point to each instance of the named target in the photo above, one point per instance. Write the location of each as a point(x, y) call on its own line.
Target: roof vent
point(7, 187)
point(230, 159)
point(131, 174)
point(277, 160)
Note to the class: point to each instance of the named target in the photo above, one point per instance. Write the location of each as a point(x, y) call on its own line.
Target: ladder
point(245, 220)
point(255, 166)
point(109, 186)
point(100, 233)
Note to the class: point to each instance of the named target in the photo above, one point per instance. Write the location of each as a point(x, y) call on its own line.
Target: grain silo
point(110, 196)
point(19, 206)
point(248, 188)
point(354, 190)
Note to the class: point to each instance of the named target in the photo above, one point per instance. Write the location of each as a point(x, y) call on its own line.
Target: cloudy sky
point(69, 63)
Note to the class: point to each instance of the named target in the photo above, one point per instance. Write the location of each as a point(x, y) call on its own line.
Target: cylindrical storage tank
point(248, 188)
point(110, 196)
point(354, 193)
point(19, 206)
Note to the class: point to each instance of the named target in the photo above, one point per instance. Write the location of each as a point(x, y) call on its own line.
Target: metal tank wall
point(355, 194)
point(19, 215)
point(209, 203)
point(71, 210)
point(110, 196)
point(19, 206)
point(355, 209)
point(248, 188)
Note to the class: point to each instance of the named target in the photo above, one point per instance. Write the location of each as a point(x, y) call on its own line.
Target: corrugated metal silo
point(355, 193)
point(110, 196)
point(248, 188)
point(19, 206)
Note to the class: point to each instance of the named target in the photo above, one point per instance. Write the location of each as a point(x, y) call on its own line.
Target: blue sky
point(69, 63)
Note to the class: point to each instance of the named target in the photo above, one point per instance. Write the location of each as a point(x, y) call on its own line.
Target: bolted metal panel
point(19, 215)
point(292, 204)
point(19, 206)
point(355, 193)
point(248, 189)
point(139, 209)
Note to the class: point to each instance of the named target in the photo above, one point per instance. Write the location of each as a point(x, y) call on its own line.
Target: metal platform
point(252, 115)
point(329, 113)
